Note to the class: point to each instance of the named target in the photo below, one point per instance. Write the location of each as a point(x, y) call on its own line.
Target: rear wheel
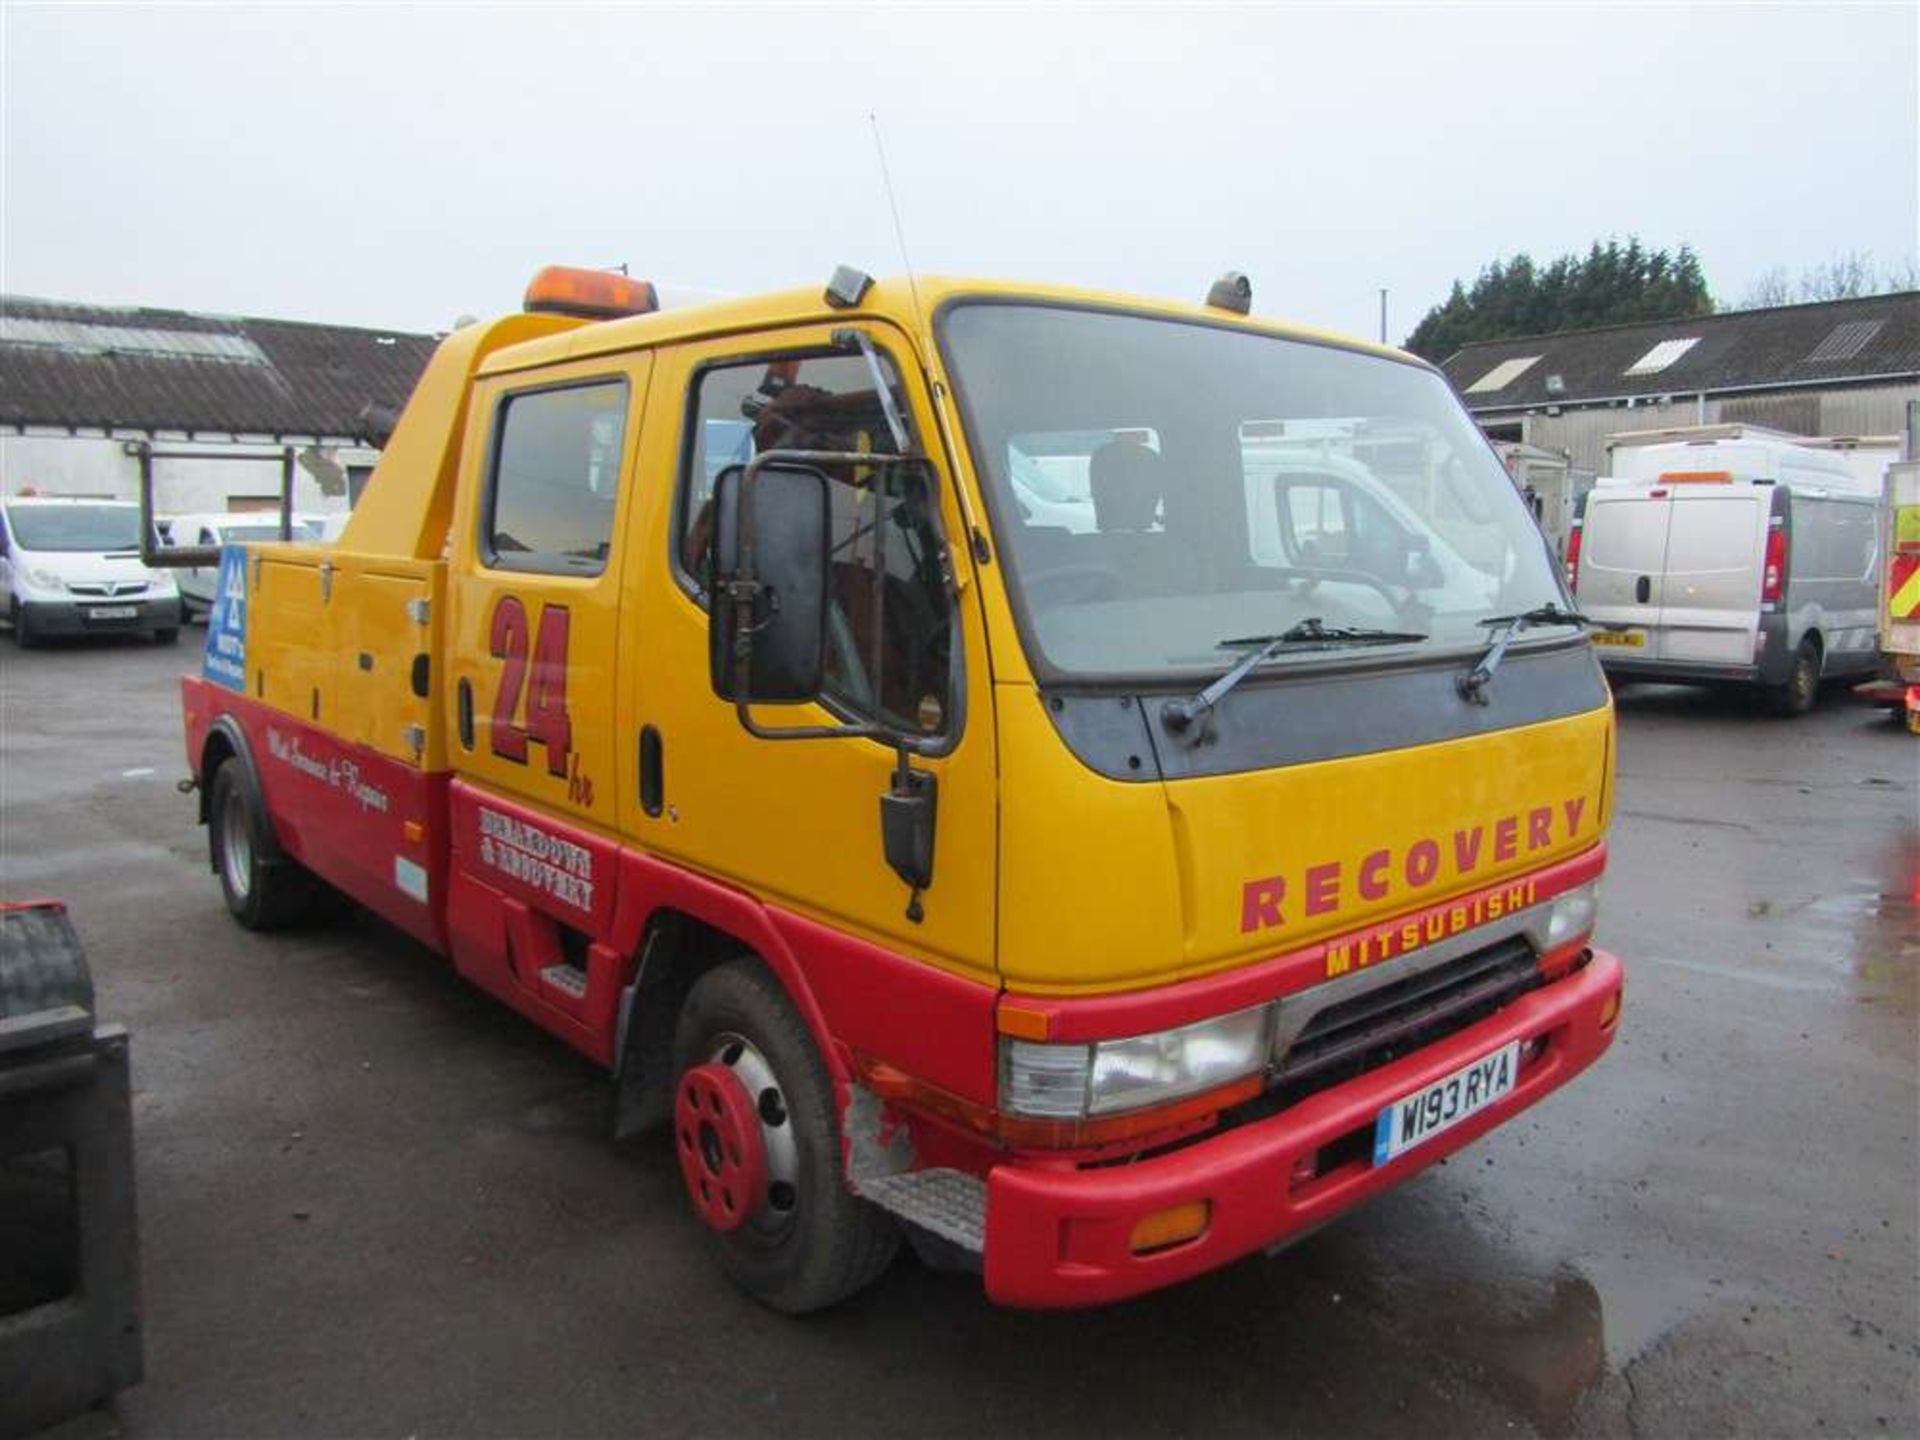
point(262, 894)
point(755, 1133)
point(1802, 687)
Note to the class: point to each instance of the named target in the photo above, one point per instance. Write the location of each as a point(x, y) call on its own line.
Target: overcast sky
point(399, 166)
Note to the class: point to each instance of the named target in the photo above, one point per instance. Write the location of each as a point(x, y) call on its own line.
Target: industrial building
point(83, 386)
point(1835, 368)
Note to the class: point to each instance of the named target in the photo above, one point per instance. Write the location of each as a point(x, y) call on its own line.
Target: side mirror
point(767, 584)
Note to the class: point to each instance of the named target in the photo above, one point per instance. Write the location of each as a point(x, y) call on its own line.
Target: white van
point(1746, 559)
point(72, 567)
point(197, 583)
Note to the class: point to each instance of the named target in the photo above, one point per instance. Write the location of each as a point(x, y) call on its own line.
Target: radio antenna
point(899, 230)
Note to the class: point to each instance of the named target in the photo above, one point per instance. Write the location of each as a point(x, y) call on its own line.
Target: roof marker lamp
point(1106, 1077)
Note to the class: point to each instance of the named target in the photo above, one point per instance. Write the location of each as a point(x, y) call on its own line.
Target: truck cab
point(708, 686)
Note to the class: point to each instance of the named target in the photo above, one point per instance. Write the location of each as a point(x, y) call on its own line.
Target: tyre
point(261, 894)
point(167, 635)
point(1802, 687)
point(24, 633)
point(758, 1141)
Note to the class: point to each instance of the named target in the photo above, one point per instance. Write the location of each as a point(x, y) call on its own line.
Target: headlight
point(44, 579)
point(162, 583)
point(1572, 914)
point(1070, 1081)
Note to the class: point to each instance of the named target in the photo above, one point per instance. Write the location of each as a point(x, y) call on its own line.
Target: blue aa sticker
point(226, 657)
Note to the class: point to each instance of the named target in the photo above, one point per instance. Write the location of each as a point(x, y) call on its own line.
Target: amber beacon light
point(594, 294)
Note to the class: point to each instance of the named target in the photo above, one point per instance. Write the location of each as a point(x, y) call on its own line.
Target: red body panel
point(1061, 1237)
point(341, 809)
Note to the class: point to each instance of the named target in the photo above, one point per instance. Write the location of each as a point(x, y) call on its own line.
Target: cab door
point(797, 822)
point(533, 638)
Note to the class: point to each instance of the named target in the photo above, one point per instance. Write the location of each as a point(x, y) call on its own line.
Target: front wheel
point(755, 1132)
point(1802, 687)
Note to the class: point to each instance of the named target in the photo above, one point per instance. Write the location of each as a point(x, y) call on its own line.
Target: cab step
point(950, 1203)
point(570, 980)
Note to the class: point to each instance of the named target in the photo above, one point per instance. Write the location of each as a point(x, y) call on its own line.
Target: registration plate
point(1630, 639)
point(1417, 1118)
point(113, 612)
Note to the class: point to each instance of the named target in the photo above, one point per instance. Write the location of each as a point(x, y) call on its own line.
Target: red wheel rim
point(723, 1159)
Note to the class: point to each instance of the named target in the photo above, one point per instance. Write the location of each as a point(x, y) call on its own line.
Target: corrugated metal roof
point(143, 369)
point(1786, 345)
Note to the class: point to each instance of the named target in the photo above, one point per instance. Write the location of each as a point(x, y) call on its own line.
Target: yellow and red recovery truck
point(1096, 786)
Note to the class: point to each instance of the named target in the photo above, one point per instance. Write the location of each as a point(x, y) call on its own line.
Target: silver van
point(1750, 561)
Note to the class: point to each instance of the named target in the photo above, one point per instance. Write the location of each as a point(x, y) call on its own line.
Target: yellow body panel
point(584, 786)
point(410, 494)
point(797, 822)
point(291, 661)
point(333, 640)
point(1117, 886)
point(385, 616)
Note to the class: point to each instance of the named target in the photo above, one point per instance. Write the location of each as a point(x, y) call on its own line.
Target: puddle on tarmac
point(1544, 1357)
point(1544, 1362)
point(1540, 1340)
point(1862, 942)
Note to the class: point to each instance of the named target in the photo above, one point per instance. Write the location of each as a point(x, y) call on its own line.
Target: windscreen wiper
point(1309, 634)
point(1473, 684)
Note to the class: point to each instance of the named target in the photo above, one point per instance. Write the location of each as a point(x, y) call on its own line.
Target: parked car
point(197, 584)
point(72, 567)
point(1746, 561)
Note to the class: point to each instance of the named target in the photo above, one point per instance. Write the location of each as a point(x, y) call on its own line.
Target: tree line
point(1618, 283)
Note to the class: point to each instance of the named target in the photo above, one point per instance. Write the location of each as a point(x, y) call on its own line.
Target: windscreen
point(75, 527)
point(1160, 488)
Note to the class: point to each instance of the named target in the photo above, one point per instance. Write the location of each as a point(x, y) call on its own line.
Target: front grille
point(1377, 1022)
point(107, 590)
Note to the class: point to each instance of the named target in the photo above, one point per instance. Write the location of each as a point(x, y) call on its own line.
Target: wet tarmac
point(374, 1202)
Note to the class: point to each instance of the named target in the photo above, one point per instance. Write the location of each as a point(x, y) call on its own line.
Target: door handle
point(653, 775)
point(465, 708)
point(1643, 589)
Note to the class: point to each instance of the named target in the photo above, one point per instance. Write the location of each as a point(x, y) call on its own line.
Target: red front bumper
point(1062, 1237)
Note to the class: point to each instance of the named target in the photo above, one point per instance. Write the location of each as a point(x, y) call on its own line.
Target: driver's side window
point(890, 620)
